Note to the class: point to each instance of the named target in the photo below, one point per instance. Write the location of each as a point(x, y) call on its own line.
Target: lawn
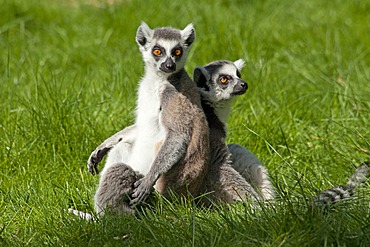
point(68, 74)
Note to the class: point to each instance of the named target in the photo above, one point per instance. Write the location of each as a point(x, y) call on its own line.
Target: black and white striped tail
point(360, 176)
point(343, 192)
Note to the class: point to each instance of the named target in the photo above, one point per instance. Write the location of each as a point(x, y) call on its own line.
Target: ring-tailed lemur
point(170, 146)
point(343, 192)
point(219, 82)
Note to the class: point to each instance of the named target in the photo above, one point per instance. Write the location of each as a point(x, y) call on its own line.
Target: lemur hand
point(96, 156)
point(142, 189)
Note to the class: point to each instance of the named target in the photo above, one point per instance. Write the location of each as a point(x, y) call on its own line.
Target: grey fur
point(213, 67)
point(251, 168)
point(344, 192)
point(169, 33)
point(360, 176)
point(115, 188)
point(166, 33)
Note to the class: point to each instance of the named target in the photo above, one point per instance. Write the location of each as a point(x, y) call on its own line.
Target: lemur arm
point(171, 151)
point(177, 119)
point(126, 135)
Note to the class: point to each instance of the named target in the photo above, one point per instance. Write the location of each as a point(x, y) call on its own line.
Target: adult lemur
point(170, 145)
point(218, 83)
point(226, 183)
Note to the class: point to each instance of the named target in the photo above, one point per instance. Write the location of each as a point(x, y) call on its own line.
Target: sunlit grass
point(69, 71)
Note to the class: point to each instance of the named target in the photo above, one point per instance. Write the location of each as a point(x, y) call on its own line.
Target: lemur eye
point(157, 52)
point(178, 52)
point(223, 79)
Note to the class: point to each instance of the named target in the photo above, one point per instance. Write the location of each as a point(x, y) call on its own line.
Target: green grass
point(68, 76)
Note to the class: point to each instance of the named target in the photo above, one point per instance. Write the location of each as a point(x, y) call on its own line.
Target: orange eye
point(157, 52)
point(178, 52)
point(223, 80)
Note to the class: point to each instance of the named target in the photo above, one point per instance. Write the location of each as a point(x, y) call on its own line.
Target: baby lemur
point(226, 183)
point(170, 146)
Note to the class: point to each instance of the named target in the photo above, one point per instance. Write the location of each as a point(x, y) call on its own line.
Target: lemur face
point(220, 80)
point(165, 49)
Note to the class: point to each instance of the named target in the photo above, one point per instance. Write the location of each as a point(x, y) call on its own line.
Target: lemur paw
point(92, 167)
point(95, 158)
point(142, 189)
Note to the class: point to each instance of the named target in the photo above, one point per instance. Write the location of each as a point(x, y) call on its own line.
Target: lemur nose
point(170, 65)
point(244, 85)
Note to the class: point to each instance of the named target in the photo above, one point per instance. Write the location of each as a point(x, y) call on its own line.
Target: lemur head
point(220, 80)
point(164, 49)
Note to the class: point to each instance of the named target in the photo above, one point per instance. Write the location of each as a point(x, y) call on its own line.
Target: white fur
point(187, 31)
point(146, 31)
point(149, 130)
point(239, 64)
point(120, 153)
point(150, 63)
point(242, 159)
point(168, 45)
point(82, 215)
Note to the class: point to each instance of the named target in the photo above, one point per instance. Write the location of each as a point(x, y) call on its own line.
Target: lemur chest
point(150, 130)
point(149, 112)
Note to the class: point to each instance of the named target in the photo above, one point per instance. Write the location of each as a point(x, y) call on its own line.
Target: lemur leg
point(115, 188)
point(125, 135)
point(228, 185)
point(248, 165)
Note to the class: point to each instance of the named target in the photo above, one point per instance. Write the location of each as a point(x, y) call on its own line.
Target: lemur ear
point(143, 34)
point(188, 34)
point(201, 77)
point(239, 64)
